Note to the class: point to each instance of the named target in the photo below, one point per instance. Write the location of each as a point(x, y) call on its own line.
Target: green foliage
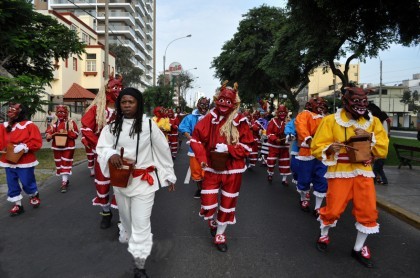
point(32, 42)
point(131, 74)
point(157, 96)
point(410, 99)
point(240, 57)
point(24, 89)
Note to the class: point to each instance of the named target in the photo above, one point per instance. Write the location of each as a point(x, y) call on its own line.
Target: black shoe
point(270, 178)
point(222, 247)
point(106, 219)
point(363, 256)
point(197, 194)
point(213, 231)
point(304, 205)
point(322, 243)
point(285, 183)
point(316, 213)
point(16, 210)
point(140, 273)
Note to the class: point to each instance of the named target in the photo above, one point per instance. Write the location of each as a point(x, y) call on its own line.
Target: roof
point(78, 92)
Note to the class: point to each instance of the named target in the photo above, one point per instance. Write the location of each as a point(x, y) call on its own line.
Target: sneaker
point(106, 219)
point(16, 210)
point(123, 235)
point(322, 243)
point(213, 227)
point(285, 183)
point(63, 187)
point(304, 205)
point(270, 178)
point(363, 256)
point(220, 242)
point(197, 194)
point(140, 273)
point(35, 201)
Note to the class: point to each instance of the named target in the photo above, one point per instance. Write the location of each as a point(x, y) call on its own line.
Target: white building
point(131, 23)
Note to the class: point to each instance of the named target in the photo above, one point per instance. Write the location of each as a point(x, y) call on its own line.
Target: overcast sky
point(212, 23)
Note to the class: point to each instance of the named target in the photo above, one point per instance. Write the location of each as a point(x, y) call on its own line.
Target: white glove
point(188, 142)
point(221, 147)
point(20, 147)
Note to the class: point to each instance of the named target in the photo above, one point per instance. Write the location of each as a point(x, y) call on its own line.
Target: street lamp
point(271, 103)
point(164, 55)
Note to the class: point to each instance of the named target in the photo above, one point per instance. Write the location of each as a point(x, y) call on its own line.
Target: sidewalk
point(401, 197)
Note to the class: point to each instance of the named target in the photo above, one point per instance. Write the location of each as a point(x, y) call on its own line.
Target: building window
point(90, 62)
point(85, 38)
point(75, 64)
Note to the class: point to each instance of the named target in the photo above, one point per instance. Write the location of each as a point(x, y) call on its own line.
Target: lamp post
point(271, 103)
point(164, 55)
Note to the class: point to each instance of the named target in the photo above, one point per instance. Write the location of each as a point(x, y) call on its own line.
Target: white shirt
point(161, 159)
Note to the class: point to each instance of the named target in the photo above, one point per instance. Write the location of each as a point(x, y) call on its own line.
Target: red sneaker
point(16, 210)
point(213, 227)
point(322, 243)
point(35, 201)
point(220, 242)
point(363, 256)
point(304, 205)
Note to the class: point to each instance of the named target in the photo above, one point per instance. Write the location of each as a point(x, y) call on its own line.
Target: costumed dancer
point(162, 120)
point(186, 127)
point(291, 136)
point(20, 137)
point(310, 170)
point(173, 133)
point(278, 149)
point(225, 131)
point(145, 144)
point(256, 128)
point(348, 180)
point(99, 113)
point(63, 151)
point(264, 140)
point(90, 155)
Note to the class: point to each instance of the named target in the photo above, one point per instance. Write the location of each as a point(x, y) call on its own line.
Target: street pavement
point(272, 236)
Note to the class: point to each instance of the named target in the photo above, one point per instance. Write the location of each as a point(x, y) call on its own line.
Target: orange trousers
point(341, 191)
point(197, 173)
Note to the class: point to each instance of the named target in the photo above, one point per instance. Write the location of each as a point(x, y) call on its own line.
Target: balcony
point(140, 31)
point(140, 9)
point(118, 30)
point(140, 21)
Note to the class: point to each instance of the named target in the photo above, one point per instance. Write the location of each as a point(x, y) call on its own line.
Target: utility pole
point(106, 73)
point(380, 84)
point(335, 90)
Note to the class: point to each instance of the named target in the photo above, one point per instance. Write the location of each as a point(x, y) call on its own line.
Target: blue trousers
point(26, 177)
point(312, 171)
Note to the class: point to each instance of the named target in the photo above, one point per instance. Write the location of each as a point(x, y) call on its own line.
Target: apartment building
point(132, 23)
point(77, 79)
point(323, 84)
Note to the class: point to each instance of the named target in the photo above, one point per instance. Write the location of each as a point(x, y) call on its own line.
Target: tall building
point(132, 23)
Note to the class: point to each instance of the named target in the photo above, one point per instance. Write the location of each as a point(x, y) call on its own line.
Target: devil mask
point(14, 111)
point(318, 105)
point(113, 88)
point(355, 102)
point(203, 105)
point(62, 112)
point(171, 113)
point(256, 115)
point(158, 112)
point(226, 100)
point(282, 112)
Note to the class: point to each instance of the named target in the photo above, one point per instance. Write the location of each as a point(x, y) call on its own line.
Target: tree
point(33, 41)
point(30, 43)
point(182, 82)
point(23, 89)
point(240, 58)
point(334, 29)
point(411, 99)
point(124, 66)
point(157, 96)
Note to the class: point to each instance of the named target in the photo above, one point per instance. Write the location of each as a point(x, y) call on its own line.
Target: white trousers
point(135, 213)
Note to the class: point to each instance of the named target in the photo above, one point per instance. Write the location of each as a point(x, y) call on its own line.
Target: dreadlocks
point(116, 125)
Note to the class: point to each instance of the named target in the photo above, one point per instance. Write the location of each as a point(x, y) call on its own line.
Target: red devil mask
point(282, 112)
point(318, 105)
point(256, 115)
point(356, 102)
point(62, 112)
point(113, 88)
point(171, 113)
point(203, 105)
point(13, 111)
point(159, 112)
point(226, 101)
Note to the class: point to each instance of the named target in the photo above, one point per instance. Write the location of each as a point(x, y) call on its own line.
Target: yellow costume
point(347, 180)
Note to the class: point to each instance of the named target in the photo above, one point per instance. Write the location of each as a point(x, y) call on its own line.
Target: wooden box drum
point(360, 150)
point(120, 176)
point(11, 156)
point(218, 160)
point(60, 139)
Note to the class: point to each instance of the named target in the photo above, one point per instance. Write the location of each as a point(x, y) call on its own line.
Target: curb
point(402, 214)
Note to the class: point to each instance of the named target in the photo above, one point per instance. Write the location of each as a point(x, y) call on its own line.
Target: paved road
point(272, 238)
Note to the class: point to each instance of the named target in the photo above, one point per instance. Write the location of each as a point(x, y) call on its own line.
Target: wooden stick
point(346, 146)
